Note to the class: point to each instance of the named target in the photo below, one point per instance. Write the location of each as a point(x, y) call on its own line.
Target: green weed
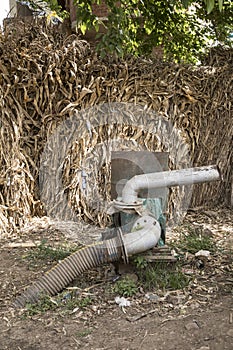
point(125, 287)
point(193, 240)
point(44, 252)
point(63, 301)
point(84, 302)
point(163, 276)
point(84, 333)
point(140, 262)
point(74, 301)
point(44, 304)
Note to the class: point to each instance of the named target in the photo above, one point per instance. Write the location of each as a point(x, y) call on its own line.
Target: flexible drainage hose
point(68, 269)
point(145, 235)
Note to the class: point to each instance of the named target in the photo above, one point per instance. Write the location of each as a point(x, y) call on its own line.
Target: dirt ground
point(200, 317)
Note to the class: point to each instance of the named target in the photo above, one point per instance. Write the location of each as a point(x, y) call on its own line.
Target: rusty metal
point(127, 164)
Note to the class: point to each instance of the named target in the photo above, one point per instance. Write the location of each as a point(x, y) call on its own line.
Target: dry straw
point(46, 78)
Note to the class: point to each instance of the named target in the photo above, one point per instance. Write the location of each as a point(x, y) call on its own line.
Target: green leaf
point(186, 3)
point(83, 28)
point(220, 4)
point(209, 5)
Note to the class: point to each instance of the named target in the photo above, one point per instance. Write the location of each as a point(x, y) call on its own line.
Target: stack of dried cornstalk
point(46, 79)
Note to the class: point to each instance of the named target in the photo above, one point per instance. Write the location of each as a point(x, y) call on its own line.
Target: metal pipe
point(168, 179)
point(145, 235)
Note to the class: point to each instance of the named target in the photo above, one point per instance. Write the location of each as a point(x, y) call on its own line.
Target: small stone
point(204, 348)
point(175, 299)
point(153, 297)
point(230, 332)
point(94, 308)
point(191, 325)
point(203, 253)
point(208, 232)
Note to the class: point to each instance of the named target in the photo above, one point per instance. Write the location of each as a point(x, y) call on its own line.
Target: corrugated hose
point(145, 235)
point(56, 279)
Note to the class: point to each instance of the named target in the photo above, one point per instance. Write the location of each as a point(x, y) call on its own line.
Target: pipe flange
point(118, 205)
point(122, 205)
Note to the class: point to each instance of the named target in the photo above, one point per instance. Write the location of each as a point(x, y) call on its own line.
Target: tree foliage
point(45, 8)
point(184, 28)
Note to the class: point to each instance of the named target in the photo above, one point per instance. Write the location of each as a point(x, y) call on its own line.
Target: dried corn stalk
point(45, 78)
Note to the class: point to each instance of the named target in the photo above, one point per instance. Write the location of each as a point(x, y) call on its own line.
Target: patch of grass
point(44, 252)
point(85, 302)
point(72, 302)
point(163, 276)
point(63, 301)
point(140, 262)
point(193, 240)
point(44, 304)
point(125, 287)
point(84, 333)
